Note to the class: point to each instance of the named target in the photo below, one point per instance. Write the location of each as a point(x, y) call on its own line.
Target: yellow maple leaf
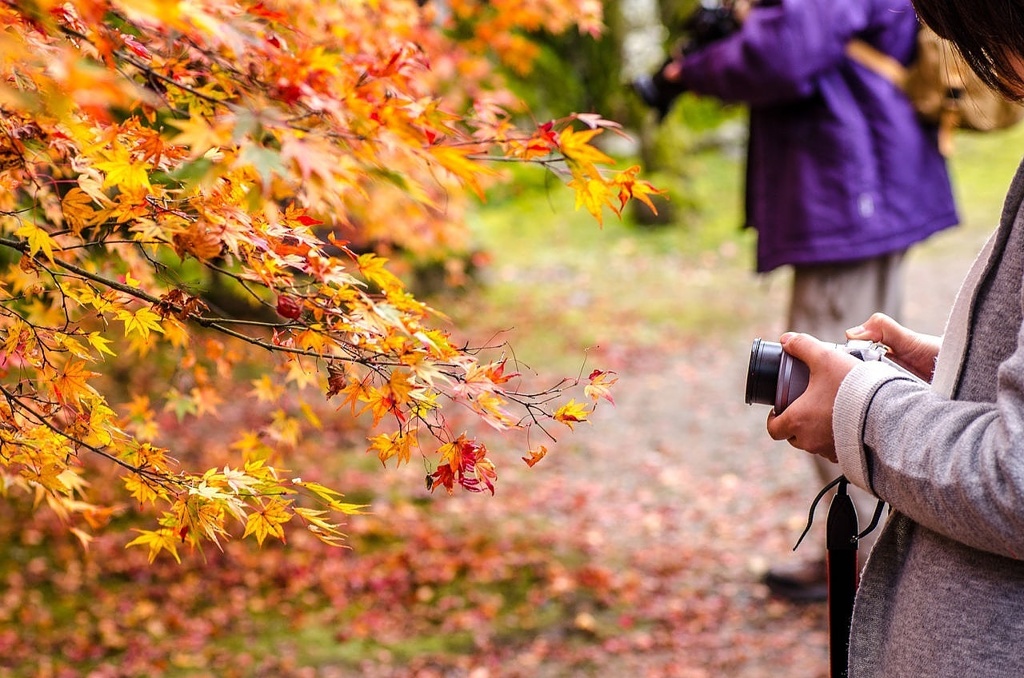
point(250, 444)
point(301, 374)
point(38, 240)
point(374, 269)
point(268, 520)
point(200, 513)
point(591, 193)
point(265, 390)
point(579, 153)
point(491, 407)
point(124, 172)
point(141, 489)
point(312, 339)
point(451, 453)
point(392, 445)
point(101, 424)
point(456, 161)
point(140, 323)
point(330, 497)
point(73, 346)
point(157, 540)
point(197, 134)
point(100, 343)
point(571, 413)
point(326, 532)
point(46, 475)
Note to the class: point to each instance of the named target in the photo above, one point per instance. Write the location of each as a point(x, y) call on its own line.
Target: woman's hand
point(913, 351)
point(807, 422)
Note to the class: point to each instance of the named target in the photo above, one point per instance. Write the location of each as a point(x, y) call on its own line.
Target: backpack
point(942, 87)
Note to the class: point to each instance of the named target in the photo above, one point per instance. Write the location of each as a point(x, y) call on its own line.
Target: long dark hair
point(989, 33)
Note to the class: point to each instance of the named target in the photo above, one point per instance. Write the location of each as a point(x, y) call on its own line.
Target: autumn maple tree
point(154, 150)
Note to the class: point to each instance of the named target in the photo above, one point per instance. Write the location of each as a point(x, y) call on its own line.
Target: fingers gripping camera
point(776, 378)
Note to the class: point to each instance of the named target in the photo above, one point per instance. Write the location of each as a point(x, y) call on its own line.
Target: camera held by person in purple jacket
point(711, 21)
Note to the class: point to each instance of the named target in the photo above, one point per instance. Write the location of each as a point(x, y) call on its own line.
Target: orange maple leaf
point(381, 402)
point(77, 208)
point(535, 455)
point(630, 188)
point(72, 383)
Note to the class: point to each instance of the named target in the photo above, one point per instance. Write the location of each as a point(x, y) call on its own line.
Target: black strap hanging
point(841, 559)
point(841, 542)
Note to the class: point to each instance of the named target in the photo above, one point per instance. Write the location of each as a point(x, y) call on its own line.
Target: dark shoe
point(802, 582)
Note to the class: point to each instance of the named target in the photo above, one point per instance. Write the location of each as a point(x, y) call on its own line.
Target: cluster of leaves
point(151, 149)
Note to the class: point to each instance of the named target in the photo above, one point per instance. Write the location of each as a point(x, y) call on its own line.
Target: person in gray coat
point(942, 592)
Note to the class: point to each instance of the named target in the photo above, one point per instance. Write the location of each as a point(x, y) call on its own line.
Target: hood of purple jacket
point(839, 166)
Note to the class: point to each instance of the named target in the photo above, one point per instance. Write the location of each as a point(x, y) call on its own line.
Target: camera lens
point(774, 377)
point(647, 90)
point(763, 372)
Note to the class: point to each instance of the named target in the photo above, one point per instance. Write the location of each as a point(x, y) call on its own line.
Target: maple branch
point(126, 57)
point(16, 403)
point(215, 324)
point(44, 358)
point(280, 121)
point(142, 295)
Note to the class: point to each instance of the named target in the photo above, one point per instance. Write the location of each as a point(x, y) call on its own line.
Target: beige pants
point(829, 299)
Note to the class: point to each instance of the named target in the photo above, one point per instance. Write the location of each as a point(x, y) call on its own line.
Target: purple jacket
point(838, 167)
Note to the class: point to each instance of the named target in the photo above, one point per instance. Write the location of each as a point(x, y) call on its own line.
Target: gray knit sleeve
point(956, 467)
point(851, 407)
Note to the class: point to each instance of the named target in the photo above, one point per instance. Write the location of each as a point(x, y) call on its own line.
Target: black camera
point(776, 378)
point(711, 21)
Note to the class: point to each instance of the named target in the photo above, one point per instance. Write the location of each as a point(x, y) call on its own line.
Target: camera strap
point(875, 517)
point(843, 576)
point(843, 571)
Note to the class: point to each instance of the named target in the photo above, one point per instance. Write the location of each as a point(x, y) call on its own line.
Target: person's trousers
point(827, 300)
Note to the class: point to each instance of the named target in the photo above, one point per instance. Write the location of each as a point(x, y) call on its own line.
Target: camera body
point(711, 21)
point(776, 378)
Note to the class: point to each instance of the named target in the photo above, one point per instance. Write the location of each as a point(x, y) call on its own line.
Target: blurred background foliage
point(578, 73)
